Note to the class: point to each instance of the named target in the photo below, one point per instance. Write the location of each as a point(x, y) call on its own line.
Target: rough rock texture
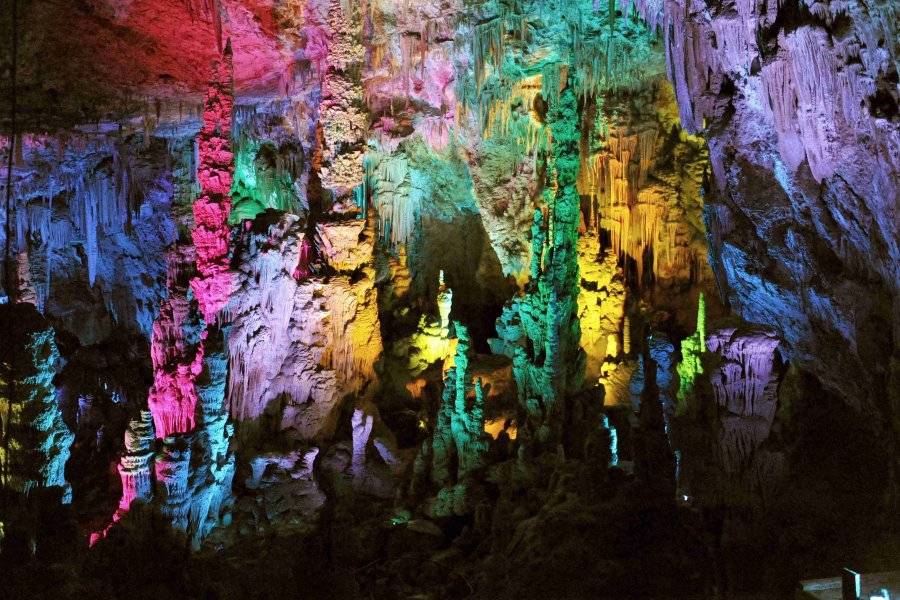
point(296, 349)
point(801, 104)
point(326, 413)
point(93, 215)
point(36, 441)
point(284, 495)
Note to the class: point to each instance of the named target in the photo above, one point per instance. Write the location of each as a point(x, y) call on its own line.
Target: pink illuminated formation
point(176, 362)
point(211, 210)
point(134, 469)
point(177, 342)
point(303, 269)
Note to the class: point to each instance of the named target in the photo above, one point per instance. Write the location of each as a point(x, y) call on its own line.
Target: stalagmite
point(613, 441)
point(211, 209)
point(36, 440)
point(691, 365)
point(547, 314)
point(361, 427)
point(135, 469)
point(176, 353)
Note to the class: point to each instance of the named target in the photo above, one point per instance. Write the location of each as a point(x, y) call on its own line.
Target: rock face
point(296, 349)
point(804, 145)
point(737, 390)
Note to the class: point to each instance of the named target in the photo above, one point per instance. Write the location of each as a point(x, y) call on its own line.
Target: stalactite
point(396, 199)
point(487, 48)
point(99, 208)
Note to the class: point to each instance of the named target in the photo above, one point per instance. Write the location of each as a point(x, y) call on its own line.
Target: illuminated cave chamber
point(514, 298)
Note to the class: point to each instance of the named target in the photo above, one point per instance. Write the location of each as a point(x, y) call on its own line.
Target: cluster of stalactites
point(744, 383)
point(615, 175)
point(396, 199)
point(612, 180)
point(498, 118)
point(810, 91)
point(98, 206)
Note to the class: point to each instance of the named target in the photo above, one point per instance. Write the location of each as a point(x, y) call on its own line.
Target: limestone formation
point(407, 298)
point(35, 439)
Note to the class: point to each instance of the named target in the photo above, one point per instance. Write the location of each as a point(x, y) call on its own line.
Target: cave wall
point(431, 252)
point(799, 103)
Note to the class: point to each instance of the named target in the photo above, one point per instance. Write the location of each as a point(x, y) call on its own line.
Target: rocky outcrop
point(805, 149)
point(744, 384)
point(343, 119)
point(283, 494)
point(726, 431)
point(297, 349)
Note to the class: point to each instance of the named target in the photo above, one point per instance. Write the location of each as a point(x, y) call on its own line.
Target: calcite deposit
point(447, 298)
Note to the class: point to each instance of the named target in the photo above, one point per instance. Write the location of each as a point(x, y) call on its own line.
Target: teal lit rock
point(36, 441)
point(458, 447)
point(539, 330)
